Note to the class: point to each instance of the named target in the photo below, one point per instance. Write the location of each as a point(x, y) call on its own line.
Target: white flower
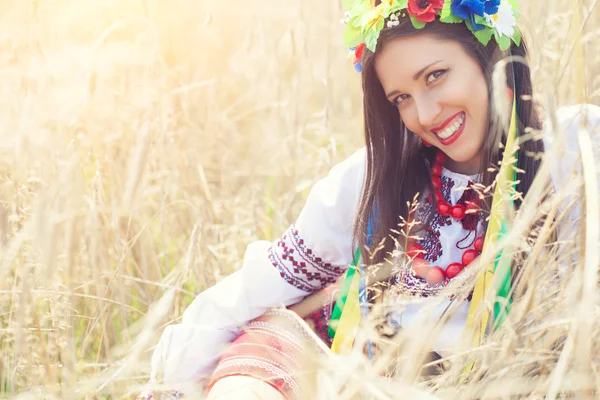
point(346, 18)
point(503, 21)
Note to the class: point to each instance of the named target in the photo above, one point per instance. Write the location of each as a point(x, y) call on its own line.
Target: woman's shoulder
point(563, 127)
point(579, 112)
point(345, 179)
point(354, 164)
point(568, 120)
point(567, 132)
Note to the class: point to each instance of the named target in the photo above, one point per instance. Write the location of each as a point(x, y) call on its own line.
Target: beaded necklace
point(420, 266)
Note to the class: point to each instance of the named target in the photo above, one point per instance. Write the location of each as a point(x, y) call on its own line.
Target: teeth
point(451, 130)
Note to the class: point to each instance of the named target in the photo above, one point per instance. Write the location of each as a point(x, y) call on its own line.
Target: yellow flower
point(372, 17)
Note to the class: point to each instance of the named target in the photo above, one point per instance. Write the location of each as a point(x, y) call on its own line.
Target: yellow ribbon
point(479, 312)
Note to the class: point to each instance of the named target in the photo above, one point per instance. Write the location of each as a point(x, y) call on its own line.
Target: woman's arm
point(308, 257)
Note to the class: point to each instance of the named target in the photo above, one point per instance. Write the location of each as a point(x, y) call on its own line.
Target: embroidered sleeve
point(312, 253)
point(299, 266)
point(316, 249)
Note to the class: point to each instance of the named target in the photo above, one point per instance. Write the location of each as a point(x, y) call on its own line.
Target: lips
point(451, 129)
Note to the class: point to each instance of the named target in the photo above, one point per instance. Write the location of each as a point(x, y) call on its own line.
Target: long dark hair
point(398, 165)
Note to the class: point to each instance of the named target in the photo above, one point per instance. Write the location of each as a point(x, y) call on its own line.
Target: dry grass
point(143, 144)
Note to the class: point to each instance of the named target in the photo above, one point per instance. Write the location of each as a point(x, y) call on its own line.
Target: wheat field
point(145, 143)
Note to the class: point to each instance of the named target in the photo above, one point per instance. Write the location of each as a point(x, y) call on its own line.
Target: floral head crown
point(485, 19)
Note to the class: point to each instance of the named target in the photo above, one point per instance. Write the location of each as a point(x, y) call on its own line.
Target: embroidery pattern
point(299, 266)
point(470, 221)
point(406, 282)
point(272, 349)
point(278, 377)
point(320, 320)
point(431, 241)
point(411, 285)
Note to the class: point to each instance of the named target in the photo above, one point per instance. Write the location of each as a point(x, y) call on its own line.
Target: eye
point(400, 99)
point(435, 75)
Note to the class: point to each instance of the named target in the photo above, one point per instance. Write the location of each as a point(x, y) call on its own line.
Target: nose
point(428, 111)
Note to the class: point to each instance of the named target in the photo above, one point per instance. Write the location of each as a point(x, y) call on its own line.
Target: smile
point(451, 129)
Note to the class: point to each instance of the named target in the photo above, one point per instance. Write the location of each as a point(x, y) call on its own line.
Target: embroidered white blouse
point(315, 251)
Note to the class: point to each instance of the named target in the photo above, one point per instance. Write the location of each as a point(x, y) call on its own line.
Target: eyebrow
point(415, 77)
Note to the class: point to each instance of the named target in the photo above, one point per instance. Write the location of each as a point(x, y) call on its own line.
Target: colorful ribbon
point(346, 314)
point(502, 204)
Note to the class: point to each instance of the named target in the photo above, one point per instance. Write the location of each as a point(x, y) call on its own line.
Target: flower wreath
point(484, 18)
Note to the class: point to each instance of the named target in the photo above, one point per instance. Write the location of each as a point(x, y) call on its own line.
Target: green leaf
point(371, 31)
point(503, 42)
point(515, 8)
point(484, 35)
point(416, 23)
point(354, 21)
point(371, 37)
point(385, 13)
point(399, 5)
point(446, 10)
point(352, 36)
point(481, 21)
point(516, 37)
point(446, 16)
point(380, 24)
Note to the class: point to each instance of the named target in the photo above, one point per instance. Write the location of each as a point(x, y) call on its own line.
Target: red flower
point(424, 10)
point(358, 52)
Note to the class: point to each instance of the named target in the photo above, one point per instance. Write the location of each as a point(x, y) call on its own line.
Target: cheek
point(479, 94)
point(410, 119)
point(467, 92)
point(480, 97)
point(471, 93)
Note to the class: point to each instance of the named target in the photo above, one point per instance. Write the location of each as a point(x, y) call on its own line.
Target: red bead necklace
point(434, 274)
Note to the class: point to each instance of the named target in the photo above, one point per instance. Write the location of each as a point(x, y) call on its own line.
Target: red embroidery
point(413, 286)
point(320, 320)
point(431, 241)
point(272, 349)
point(470, 221)
point(406, 281)
point(298, 264)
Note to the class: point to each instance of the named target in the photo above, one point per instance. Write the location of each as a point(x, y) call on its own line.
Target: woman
point(431, 131)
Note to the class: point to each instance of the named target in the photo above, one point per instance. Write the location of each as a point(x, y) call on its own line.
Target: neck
point(470, 167)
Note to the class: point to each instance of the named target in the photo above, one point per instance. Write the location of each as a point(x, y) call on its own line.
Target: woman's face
point(441, 94)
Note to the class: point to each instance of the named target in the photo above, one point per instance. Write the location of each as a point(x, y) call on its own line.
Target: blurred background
point(144, 144)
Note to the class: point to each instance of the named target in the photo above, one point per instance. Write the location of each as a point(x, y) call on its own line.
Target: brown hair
point(398, 165)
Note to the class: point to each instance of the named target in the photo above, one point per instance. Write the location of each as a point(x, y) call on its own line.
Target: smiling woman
point(431, 134)
point(441, 94)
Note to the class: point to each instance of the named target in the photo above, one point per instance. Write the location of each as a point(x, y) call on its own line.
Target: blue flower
point(358, 66)
point(468, 9)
